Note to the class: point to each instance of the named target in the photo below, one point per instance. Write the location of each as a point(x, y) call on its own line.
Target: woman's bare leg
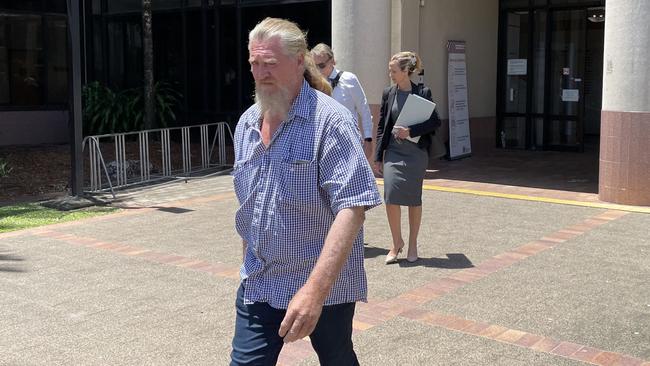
point(415, 218)
point(394, 213)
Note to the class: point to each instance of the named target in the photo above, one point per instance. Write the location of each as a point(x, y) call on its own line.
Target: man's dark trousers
point(257, 342)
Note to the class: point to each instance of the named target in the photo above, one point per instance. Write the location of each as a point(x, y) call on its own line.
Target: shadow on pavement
point(453, 261)
point(6, 259)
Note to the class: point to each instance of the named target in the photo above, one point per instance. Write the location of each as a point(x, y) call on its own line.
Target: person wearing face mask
point(403, 163)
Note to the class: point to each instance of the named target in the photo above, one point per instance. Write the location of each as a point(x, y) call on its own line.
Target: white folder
point(415, 110)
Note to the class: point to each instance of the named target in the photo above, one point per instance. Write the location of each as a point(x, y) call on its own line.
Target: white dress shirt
point(349, 92)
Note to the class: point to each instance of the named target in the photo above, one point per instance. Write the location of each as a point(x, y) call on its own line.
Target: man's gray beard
point(276, 104)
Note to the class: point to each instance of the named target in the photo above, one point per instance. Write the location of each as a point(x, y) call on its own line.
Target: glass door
point(563, 125)
point(515, 81)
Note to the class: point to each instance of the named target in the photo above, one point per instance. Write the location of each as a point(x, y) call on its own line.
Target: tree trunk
point(149, 105)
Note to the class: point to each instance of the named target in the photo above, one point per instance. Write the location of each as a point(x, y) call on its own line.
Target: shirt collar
point(299, 108)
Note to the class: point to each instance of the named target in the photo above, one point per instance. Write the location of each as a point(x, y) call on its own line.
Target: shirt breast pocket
point(300, 182)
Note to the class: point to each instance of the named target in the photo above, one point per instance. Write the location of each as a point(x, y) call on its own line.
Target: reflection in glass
point(517, 50)
point(513, 134)
point(25, 50)
point(57, 68)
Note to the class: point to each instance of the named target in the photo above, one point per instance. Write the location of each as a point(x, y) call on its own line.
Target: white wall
point(472, 21)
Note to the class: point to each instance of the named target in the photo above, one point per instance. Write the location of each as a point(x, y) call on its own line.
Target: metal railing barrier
point(158, 157)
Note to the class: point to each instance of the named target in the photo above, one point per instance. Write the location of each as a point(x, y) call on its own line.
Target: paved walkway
point(500, 282)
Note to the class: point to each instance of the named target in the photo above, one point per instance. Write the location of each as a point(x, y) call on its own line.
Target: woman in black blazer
point(402, 162)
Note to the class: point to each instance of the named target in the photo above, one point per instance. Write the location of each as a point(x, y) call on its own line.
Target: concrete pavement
point(500, 282)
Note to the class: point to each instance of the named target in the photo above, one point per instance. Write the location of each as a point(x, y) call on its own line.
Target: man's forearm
point(336, 251)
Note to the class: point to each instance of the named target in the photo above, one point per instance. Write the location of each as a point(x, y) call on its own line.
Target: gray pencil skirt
point(404, 167)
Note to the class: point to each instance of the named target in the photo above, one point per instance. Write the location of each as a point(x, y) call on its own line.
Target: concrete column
point(361, 42)
point(624, 175)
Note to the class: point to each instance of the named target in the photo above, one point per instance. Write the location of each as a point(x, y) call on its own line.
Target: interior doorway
point(550, 77)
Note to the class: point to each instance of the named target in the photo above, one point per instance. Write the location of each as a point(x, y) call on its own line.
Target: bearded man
point(303, 185)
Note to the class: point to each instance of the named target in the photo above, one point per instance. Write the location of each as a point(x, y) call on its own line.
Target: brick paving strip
point(216, 269)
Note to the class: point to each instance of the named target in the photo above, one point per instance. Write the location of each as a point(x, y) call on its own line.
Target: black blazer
point(425, 129)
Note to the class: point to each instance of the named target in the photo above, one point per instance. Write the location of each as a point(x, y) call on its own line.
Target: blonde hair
point(294, 44)
point(407, 61)
point(322, 49)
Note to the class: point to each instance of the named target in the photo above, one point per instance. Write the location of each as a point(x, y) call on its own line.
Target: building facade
point(566, 75)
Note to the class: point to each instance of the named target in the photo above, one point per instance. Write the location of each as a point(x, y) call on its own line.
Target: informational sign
point(517, 66)
point(459, 139)
point(570, 95)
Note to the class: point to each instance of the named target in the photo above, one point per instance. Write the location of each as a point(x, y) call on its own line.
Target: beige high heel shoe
point(390, 259)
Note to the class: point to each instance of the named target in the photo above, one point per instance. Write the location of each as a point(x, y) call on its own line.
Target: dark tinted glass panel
point(567, 67)
point(167, 4)
point(57, 68)
point(134, 61)
point(168, 50)
point(195, 49)
point(115, 55)
point(96, 7)
point(539, 61)
point(98, 50)
point(513, 4)
point(568, 2)
point(518, 39)
point(124, 6)
point(55, 6)
point(513, 135)
point(4, 62)
point(25, 51)
point(33, 5)
point(228, 61)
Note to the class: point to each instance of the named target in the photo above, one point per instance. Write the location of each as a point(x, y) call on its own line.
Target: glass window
point(514, 4)
point(124, 6)
point(23, 47)
point(134, 56)
point(539, 61)
point(55, 6)
point(57, 69)
point(4, 62)
point(115, 55)
point(30, 5)
point(96, 7)
point(167, 4)
point(193, 3)
point(518, 39)
point(513, 134)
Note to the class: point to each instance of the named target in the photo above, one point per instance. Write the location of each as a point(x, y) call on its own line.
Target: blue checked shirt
point(290, 193)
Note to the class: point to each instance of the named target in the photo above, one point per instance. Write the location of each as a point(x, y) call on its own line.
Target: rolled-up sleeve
point(344, 173)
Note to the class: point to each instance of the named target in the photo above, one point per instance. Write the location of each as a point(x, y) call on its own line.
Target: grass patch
point(26, 215)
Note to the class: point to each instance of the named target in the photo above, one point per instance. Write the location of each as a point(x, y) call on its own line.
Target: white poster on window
point(517, 66)
point(459, 139)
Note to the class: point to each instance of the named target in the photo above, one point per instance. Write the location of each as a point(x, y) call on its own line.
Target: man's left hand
point(302, 316)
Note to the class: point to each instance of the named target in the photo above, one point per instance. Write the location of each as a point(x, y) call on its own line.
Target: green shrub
point(106, 111)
